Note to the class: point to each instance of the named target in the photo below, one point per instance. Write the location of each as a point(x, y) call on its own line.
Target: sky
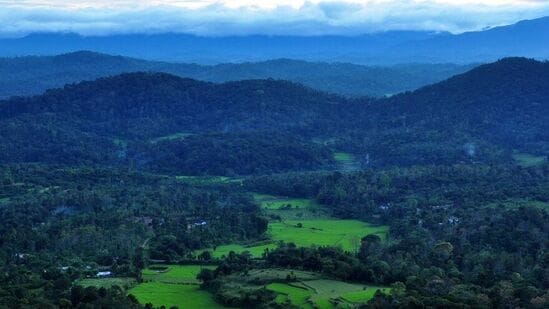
point(271, 17)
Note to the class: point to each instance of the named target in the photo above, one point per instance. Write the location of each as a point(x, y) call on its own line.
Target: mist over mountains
point(528, 38)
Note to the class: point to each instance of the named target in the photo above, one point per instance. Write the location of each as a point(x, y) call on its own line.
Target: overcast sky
point(238, 17)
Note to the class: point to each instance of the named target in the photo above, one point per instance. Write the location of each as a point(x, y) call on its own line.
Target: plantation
point(180, 295)
point(346, 234)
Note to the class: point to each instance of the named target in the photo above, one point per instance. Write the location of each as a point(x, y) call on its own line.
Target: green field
point(173, 273)
point(187, 296)
point(173, 285)
point(346, 234)
point(125, 283)
point(323, 294)
point(528, 160)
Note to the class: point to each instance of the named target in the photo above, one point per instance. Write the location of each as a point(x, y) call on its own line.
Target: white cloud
point(223, 17)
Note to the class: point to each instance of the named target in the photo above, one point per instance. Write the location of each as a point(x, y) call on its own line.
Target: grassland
point(181, 295)
point(329, 232)
point(125, 283)
point(528, 160)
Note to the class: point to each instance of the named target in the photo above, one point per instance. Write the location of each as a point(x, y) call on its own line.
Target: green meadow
point(187, 296)
point(346, 234)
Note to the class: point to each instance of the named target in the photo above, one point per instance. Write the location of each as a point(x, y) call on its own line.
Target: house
point(453, 220)
point(104, 274)
point(200, 223)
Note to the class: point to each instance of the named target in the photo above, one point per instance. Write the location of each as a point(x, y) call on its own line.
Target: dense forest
point(485, 115)
point(450, 184)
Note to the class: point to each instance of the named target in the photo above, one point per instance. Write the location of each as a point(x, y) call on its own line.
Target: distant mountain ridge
point(33, 75)
point(483, 115)
point(529, 38)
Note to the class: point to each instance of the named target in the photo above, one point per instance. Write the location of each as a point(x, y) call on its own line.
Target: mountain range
point(157, 120)
point(34, 74)
point(529, 38)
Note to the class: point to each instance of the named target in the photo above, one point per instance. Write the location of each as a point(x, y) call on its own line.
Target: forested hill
point(146, 120)
point(506, 103)
point(33, 75)
point(163, 102)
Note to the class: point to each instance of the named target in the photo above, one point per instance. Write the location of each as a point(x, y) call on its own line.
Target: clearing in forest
point(346, 234)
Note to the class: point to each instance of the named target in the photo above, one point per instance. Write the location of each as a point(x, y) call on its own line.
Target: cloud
point(240, 17)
